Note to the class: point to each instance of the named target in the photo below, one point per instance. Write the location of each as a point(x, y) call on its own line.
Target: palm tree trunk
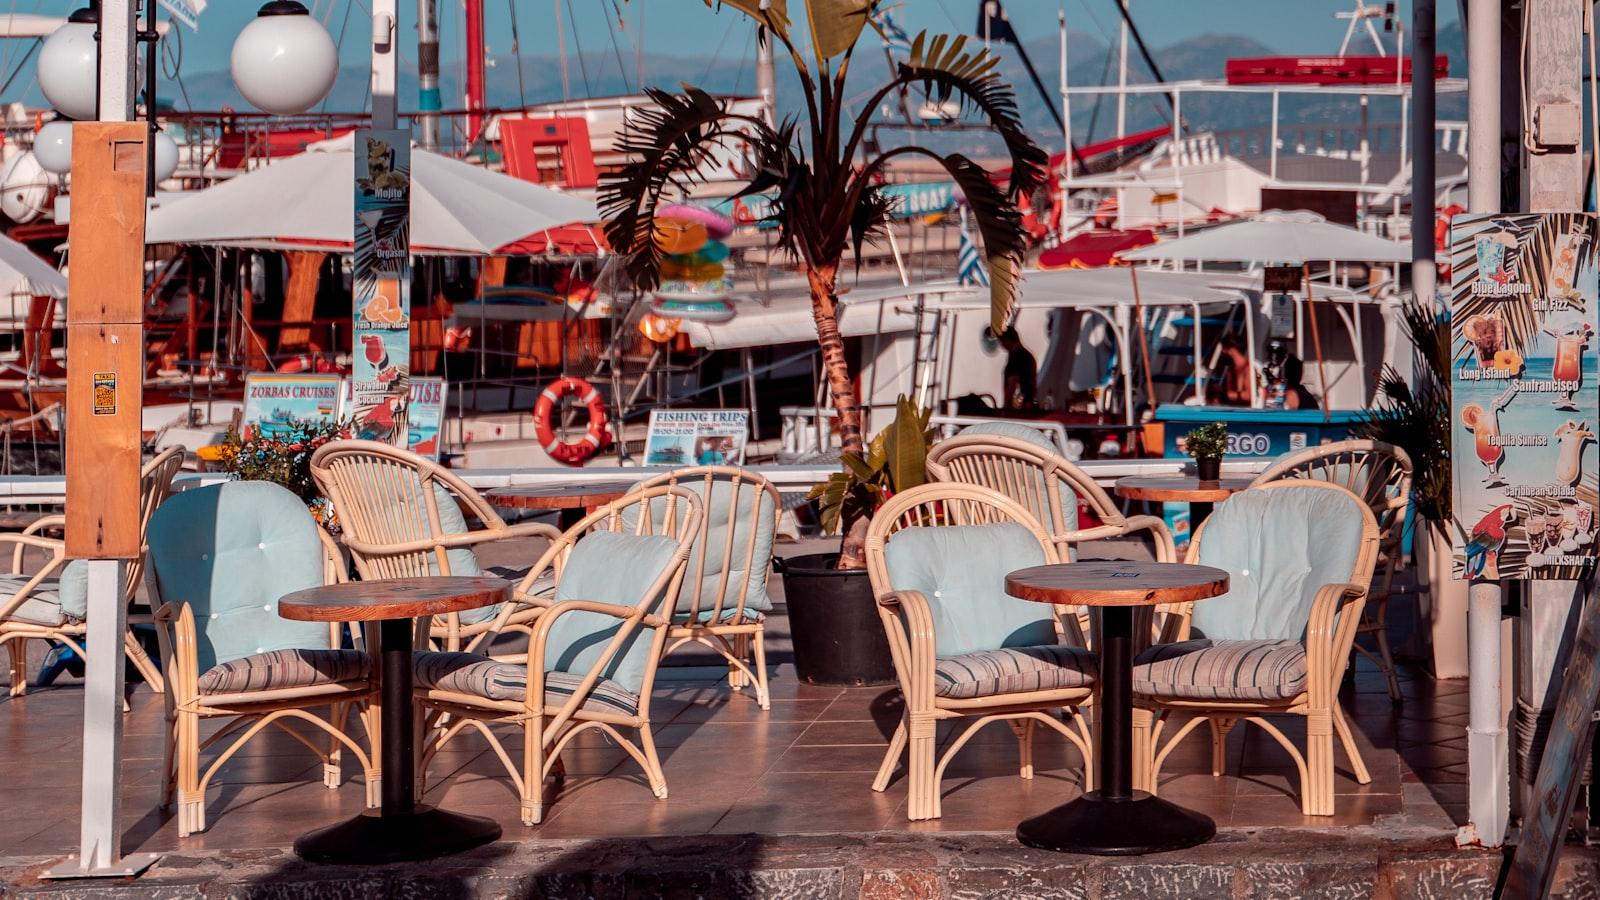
point(836, 368)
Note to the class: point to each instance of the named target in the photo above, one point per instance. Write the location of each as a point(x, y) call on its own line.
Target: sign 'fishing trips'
point(1524, 404)
point(382, 283)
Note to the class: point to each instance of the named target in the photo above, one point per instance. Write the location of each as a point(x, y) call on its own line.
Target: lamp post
point(88, 72)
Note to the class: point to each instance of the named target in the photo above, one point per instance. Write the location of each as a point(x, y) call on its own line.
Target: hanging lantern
point(658, 329)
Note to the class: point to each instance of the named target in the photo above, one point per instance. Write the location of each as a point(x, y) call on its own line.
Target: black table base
point(376, 837)
point(1116, 820)
point(1094, 824)
point(401, 830)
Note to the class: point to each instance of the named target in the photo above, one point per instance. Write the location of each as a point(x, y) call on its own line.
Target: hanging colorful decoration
point(695, 281)
point(658, 329)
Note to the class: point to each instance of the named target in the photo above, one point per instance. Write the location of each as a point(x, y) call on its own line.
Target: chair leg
point(1357, 765)
point(191, 799)
point(658, 778)
point(169, 762)
point(1380, 635)
point(922, 795)
point(18, 650)
point(142, 661)
point(1220, 726)
point(532, 772)
point(1081, 717)
point(1316, 793)
point(741, 650)
point(897, 746)
point(763, 693)
point(333, 769)
point(1143, 750)
point(1024, 732)
point(374, 775)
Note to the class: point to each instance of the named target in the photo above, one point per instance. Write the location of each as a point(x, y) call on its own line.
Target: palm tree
point(826, 196)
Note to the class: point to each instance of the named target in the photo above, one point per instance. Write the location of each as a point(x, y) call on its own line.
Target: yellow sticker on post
point(105, 393)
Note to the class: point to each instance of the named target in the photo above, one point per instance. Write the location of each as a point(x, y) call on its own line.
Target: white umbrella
point(23, 273)
point(308, 202)
point(1277, 238)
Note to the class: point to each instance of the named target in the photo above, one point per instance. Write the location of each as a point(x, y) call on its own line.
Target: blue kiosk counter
point(1252, 434)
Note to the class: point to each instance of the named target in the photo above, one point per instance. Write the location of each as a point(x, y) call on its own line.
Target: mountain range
point(535, 79)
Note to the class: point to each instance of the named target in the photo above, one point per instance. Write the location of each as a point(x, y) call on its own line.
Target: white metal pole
point(1122, 75)
point(1489, 798)
point(385, 55)
point(1066, 119)
point(100, 830)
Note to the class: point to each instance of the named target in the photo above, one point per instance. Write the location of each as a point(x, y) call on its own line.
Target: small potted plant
point(1207, 445)
point(833, 615)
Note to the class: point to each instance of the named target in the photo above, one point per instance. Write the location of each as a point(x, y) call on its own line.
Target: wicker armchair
point(1300, 556)
point(1379, 474)
point(51, 604)
point(220, 557)
point(592, 660)
point(937, 556)
point(1022, 464)
point(723, 601)
point(402, 518)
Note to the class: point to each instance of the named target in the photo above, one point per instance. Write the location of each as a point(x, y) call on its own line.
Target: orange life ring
point(570, 452)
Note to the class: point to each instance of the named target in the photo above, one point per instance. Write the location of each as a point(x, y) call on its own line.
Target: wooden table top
point(1116, 583)
point(580, 495)
point(1180, 488)
point(394, 598)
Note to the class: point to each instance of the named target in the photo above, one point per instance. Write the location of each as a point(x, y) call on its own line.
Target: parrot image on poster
point(1488, 537)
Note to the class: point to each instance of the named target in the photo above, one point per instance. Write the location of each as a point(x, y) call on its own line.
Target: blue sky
point(687, 27)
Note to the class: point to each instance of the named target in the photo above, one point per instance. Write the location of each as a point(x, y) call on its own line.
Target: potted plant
point(1207, 445)
point(1414, 414)
point(833, 615)
point(283, 457)
point(821, 180)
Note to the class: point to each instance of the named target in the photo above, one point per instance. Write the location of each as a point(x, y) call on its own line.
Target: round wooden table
point(1114, 819)
point(574, 499)
point(400, 829)
point(1200, 495)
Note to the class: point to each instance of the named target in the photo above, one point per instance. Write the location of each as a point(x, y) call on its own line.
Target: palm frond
point(665, 143)
point(1005, 240)
point(869, 220)
point(836, 24)
point(772, 13)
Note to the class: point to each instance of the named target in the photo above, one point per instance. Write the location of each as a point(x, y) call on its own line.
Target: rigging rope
point(612, 27)
point(583, 68)
point(516, 53)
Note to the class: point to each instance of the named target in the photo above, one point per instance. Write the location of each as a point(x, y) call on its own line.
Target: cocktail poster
point(273, 403)
point(1524, 395)
point(425, 416)
point(382, 279)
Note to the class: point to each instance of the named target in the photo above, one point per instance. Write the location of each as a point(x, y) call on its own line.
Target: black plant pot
point(1209, 469)
point(833, 620)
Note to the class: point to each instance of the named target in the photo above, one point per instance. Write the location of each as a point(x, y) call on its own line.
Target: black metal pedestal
point(401, 830)
point(1198, 512)
point(1116, 820)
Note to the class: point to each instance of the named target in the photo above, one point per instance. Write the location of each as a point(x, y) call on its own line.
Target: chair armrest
point(44, 522)
point(465, 540)
point(1166, 550)
point(1335, 614)
point(175, 635)
point(912, 644)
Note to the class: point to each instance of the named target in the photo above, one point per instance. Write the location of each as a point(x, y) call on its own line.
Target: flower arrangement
point(283, 457)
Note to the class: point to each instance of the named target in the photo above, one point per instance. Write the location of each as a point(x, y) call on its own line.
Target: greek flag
point(892, 33)
point(969, 265)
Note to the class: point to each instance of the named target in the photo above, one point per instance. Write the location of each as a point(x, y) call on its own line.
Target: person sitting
point(1235, 372)
point(1021, 387)
point(1295, 394)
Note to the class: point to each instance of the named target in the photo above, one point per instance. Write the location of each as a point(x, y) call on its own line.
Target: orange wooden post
point(105, 340)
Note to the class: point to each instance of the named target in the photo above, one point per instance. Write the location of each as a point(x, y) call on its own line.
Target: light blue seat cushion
point(231, 551)
point(961, 570)
point(755, 508)
point(1279, 547)
point(1014, 430)
point(611, 568)
point(73, 586)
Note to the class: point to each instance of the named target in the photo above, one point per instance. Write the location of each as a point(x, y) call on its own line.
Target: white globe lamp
point(52, 147)
point(67, 65)
point(166, 156)
point(284, 62)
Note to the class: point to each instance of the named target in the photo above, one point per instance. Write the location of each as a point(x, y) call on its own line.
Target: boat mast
point(428, 100)
point(475, 80)
point(765, 75)
point(1122, 75)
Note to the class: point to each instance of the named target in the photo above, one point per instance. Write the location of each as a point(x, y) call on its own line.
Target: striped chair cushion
point(1222, 670)
point(469, 673)
point(285, 669)
point(1013, 670)
point(43, 606)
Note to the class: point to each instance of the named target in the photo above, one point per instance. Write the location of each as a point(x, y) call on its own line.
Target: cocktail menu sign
point(1524, 401)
